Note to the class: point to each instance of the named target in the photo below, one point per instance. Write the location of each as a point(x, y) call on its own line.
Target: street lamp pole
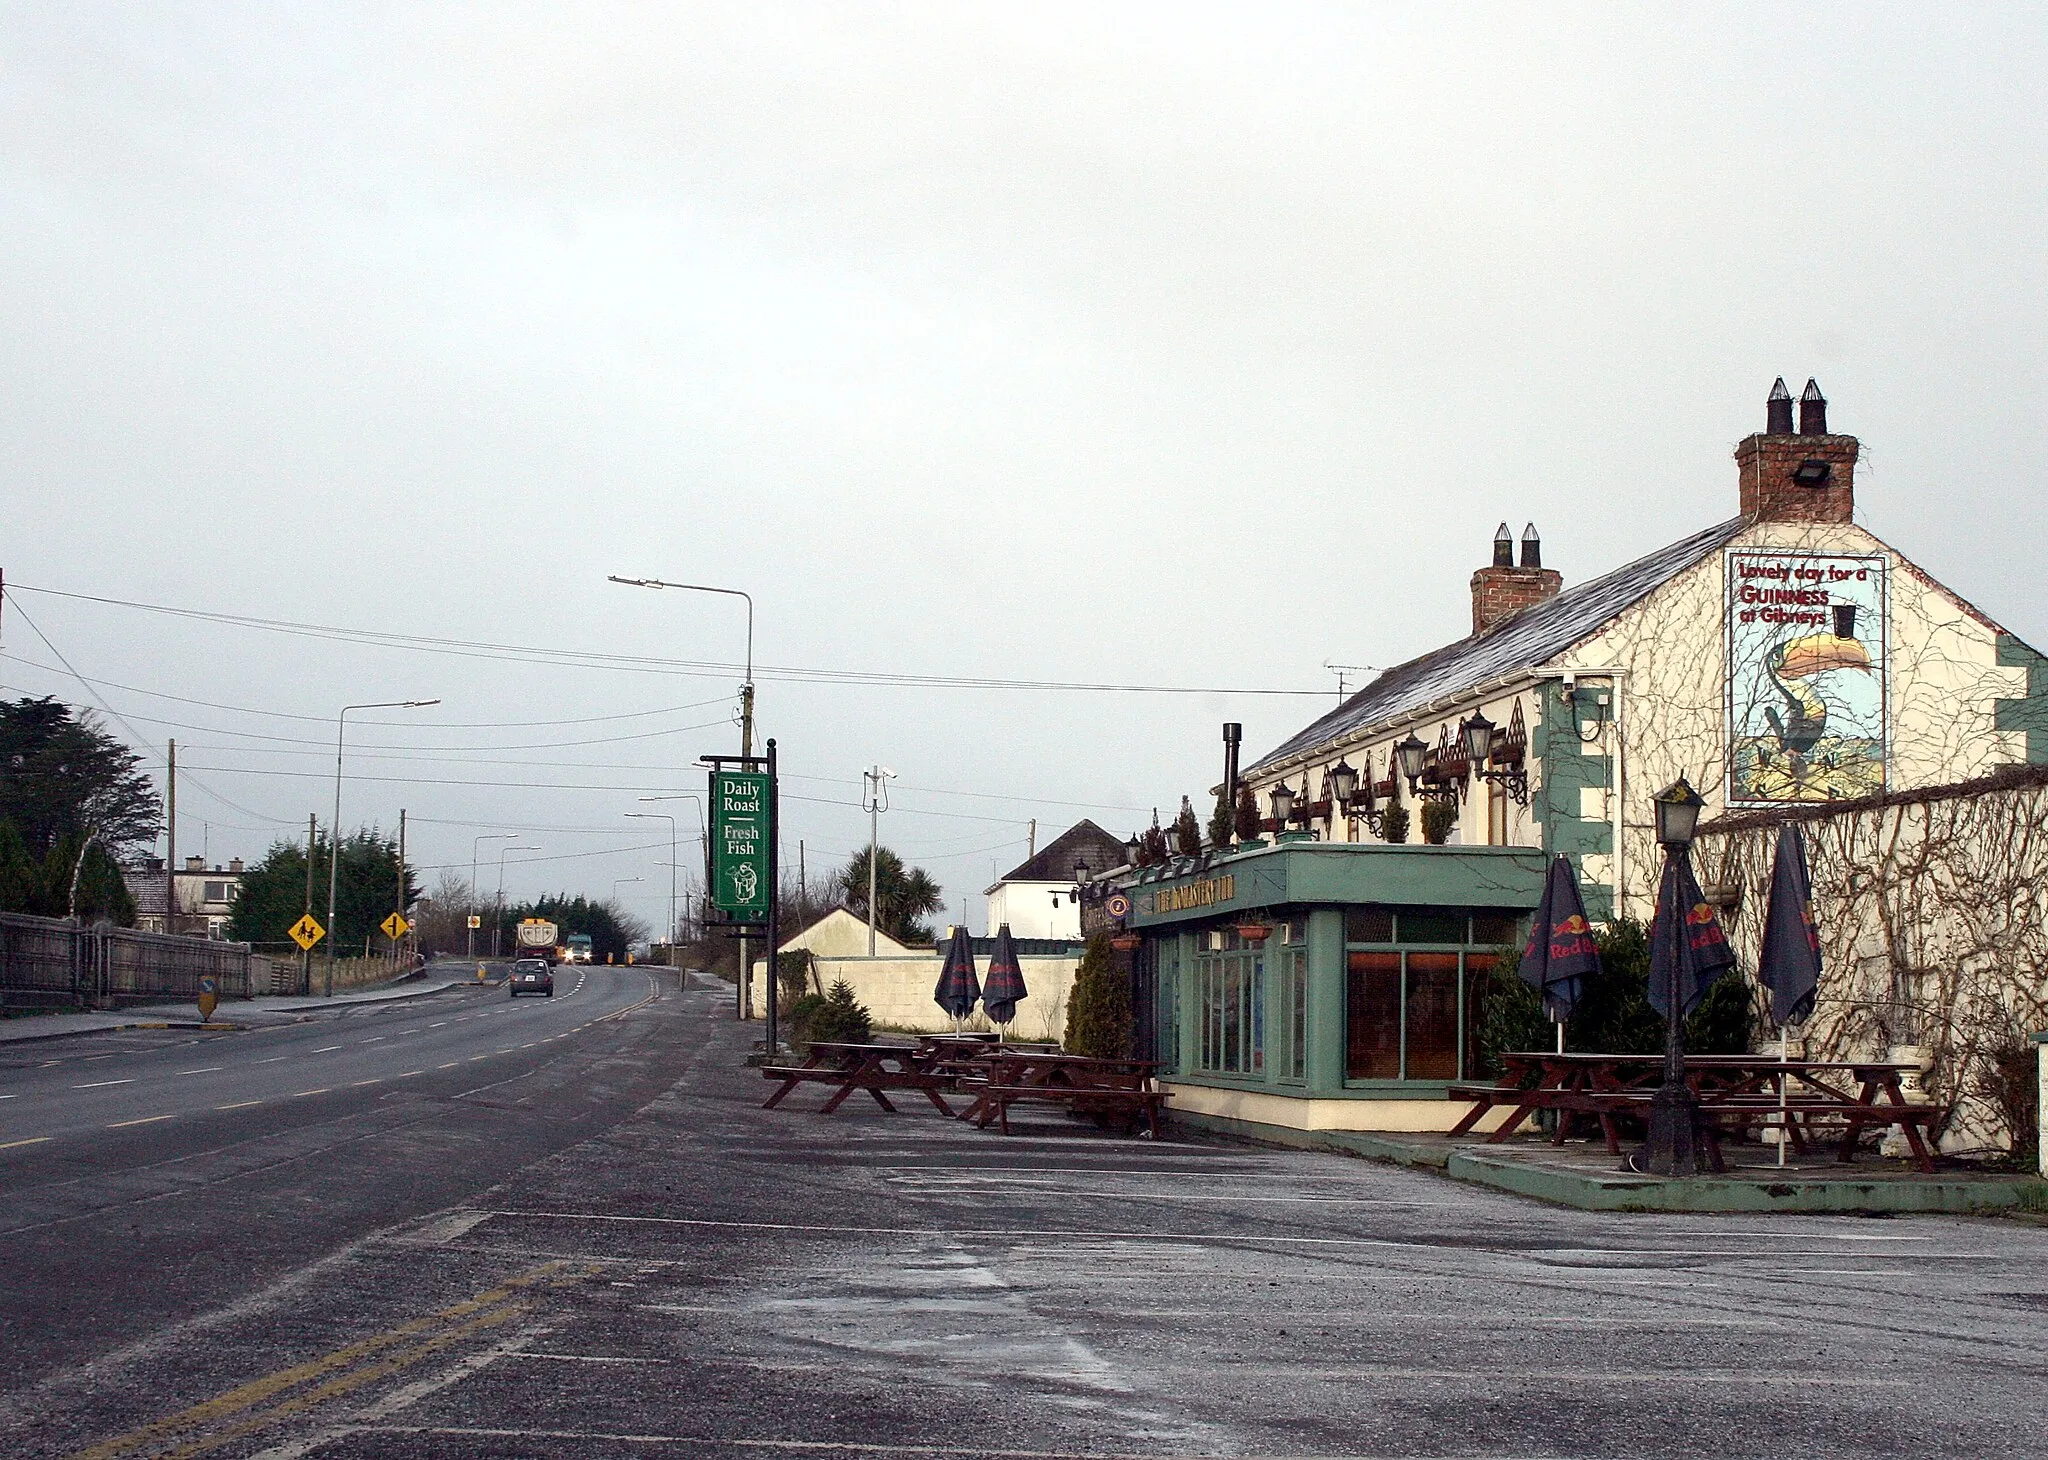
point(746, 689)
point(334, 861)
point(664, 816)
point(1673, 1120)
point(475, 843)
point(498, 908)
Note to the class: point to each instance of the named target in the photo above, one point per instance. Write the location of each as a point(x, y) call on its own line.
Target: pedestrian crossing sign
point(395, 926)
point(306, 932)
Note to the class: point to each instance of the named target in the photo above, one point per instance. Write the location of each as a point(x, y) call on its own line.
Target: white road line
point(372, 1040)
point(327, 1049)
point(146, 1120)
point(102, 1084)
point(9, 1097)
point(31, 1141)
point(272, 1060)
point(202, 1070)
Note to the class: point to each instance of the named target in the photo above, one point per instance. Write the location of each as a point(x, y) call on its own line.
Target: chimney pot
point(1503, 547)
point(1501, 590)
point(1532, 547)
point(195, 864)
point(235, 866)
point(1778, 410)
point(1813, 411)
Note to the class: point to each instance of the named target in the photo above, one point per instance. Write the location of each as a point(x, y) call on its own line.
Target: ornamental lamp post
point(1411, 755)
point(1672, 1148)
point(1282, 797)
point(1343, 782)
point(1477, 737)
point(1131, 849)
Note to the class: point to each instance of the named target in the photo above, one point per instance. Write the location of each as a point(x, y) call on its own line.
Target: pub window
point(1295, 1066)
point(1230, 1012)
point(1368, 925)
point(1412, 1005)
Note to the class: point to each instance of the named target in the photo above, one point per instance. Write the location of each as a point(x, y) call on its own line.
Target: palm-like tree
point(905, 896)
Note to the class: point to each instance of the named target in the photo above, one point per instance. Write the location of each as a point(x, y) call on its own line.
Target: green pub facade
point(1314, 985)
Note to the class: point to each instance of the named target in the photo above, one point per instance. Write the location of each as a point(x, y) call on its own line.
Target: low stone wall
point(898, 993)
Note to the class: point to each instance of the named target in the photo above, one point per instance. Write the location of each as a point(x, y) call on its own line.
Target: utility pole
point(774, 898)
point(875, 786)
point(1031, 841)
point(306, 953)
point(171, 844)
point(401, 884)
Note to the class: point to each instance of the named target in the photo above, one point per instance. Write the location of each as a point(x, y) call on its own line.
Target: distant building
point(206, 896)
point(1036, 897)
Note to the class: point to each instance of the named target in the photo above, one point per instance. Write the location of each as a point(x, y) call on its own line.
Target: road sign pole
point(306, 953)
point(774, 954)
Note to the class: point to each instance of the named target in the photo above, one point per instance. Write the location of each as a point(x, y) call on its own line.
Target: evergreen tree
point(1247, 820)
point(273, 893)
point(1222, 823)
point(1152, 845)
point(1394, 820)
point(1187, 832)
point(1438, 819)
point(1099, 1005)
point(65, 777)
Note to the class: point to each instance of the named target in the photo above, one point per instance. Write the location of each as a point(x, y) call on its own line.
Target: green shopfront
point(1316, 985)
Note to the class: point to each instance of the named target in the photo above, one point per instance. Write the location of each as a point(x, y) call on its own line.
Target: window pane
point(1432, 927)
point(1233, 1026)
point(1368, 925)
point(1432, 1016)
point(1297, 1040)
point(1478, 974)
point(1255, 983)
point(1372, 1016)
point(1494, 930)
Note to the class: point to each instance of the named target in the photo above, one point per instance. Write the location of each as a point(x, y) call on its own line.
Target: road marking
point(102, 1084)
point(296, 1094)
point(374, 1039)
point(408, 1074)
point(203, 1070)
point(272, 1060)
point(146, 1120)
point(9, 1097)
point(584, 1358)
point(236, 1413)
point(31, 1141)
point(239, 1105)
point(475, 1057)
point(327, 1049)
point(449, 1066)
point(360, 1083)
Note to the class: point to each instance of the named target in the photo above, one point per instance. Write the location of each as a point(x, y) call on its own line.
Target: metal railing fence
point(52, 962)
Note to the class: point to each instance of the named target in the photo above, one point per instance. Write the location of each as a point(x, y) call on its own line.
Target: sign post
point(743, 869)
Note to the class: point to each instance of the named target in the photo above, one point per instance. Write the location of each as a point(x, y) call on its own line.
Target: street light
point(498, 910)
point(747, 689)
point(475, 843)
point(1672, 1148)
point(698, 803)
point(334, 859)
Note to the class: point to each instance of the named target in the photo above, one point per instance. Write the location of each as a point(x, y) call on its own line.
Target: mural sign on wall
point(1806, 676)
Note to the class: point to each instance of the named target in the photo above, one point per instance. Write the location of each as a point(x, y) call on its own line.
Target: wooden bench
point(1134, 1105)
point(1087, 1086)
point(874, 1068)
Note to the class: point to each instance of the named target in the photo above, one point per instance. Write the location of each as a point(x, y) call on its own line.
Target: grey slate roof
point(1084, 841)
point(1529, 638)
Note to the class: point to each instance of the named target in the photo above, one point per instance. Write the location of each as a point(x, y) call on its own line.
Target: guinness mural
point(1806, 676)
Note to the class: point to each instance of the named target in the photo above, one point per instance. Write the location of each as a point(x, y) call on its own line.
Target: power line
point(640, 663)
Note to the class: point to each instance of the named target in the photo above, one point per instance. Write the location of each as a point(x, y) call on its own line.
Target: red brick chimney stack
point(1501, 590)
point(1806, 475)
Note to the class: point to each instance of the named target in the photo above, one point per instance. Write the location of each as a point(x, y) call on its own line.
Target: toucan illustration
point(1793, 662)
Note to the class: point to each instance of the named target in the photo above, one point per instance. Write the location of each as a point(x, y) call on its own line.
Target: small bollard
point(481, 975)
point(209, 998)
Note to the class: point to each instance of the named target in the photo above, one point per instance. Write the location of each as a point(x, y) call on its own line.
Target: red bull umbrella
point(1560, 953)
point(958, 987)
point(1005, 987)
point(1686, 930)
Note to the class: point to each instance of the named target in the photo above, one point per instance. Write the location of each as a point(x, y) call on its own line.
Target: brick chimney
point(1805, 475)
point(1501, 589)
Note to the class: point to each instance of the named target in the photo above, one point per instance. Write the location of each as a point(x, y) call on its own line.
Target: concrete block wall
point(898, 993)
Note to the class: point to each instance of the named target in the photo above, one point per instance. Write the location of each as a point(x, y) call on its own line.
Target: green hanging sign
point(740, 830)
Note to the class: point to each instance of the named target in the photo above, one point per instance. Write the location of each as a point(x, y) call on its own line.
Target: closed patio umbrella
point(1685, 929)
point(1005, 987)
point(958, 987)
point(1789, 965)
point(1560, 953)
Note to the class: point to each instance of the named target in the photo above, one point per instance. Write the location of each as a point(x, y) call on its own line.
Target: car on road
point(531, 976)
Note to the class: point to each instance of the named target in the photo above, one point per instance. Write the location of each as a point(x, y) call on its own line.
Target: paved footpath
point(703, 1278)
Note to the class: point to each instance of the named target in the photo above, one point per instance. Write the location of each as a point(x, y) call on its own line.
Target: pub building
point(1324, 975)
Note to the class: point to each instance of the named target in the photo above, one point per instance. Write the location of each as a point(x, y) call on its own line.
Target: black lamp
point(1283, 802)
point(1477, 734)
point(1342, 782)
point(1080, 872)
point(1410, 754)
point(1131, 849)
point(1678, 815)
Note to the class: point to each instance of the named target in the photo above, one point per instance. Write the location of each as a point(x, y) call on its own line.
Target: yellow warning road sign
point(306, 932)
point(475, 921)
point(395, 927)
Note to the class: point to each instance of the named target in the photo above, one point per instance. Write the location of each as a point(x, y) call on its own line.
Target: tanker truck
point(535, 939)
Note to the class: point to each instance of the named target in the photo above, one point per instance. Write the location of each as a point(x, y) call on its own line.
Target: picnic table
point(1103, 1088)
point(1735, 1092)
point(875, 1068)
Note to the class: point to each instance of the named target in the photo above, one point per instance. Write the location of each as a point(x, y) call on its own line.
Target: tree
point(63, 883)
point(273, 894)
point(1099, 1005)
point(1438, 819)
point(65, 777)
point(1187, 832)
point(441, 920)
point(1394, 820)
point(1222, 822)
point(1614, 1015)
point(1152, 844)
point(1247, 822)
point(905, 896)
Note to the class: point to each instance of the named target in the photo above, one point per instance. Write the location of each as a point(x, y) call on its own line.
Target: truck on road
point(579, 948)
point(536, 939)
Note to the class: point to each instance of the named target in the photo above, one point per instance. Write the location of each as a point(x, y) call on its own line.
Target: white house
point(1036, 897)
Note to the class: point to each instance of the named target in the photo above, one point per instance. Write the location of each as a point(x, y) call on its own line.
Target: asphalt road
point(701, 1277)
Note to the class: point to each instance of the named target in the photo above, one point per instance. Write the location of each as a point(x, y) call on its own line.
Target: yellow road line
point(31, 1141)
point(146, 1120)
point(240, 1400)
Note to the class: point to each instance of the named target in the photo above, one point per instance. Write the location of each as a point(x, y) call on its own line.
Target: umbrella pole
point(1784, 1112)
point(1560, 1036)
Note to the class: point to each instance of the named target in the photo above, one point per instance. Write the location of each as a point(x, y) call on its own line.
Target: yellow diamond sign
point(306, 932)
point(395, 927)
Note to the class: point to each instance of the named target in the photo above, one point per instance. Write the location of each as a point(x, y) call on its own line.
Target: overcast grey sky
point(1172, 345)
